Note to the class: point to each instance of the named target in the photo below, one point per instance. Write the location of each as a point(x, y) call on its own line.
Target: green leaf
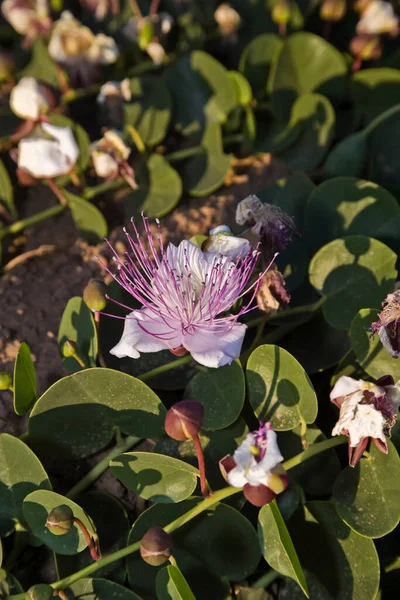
point(155, 477)
point(221, 391)
point(201, 90)
point(344, 564)
point(351, 272)
point(24, 381)
point(41, 65)
point(348, 157)
point(243, 90)
point(307, 63)
point(99, 589)
point(158, 194)
point(20, 474)
point(104, 510)
point(6, 191)
point(36, 507)
point(171, 585)
point(384, 153)
point(150, 108)
point(367, 496)
point(316, 116)
point(87, 218)
point(205, 173)
point(77, 415)
point(77, 325)
point(277, 546)
point(375, 90)
point(279, 389)
point(347, 206)
point(348, 366)
point(370, 353)
point(257, 59)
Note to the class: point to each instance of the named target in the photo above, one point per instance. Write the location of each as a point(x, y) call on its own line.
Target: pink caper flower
point(186, 295)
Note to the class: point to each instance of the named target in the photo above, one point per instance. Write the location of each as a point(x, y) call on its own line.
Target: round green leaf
point(214, 97)
point(76, 416)
point(99, 589)
point(370, 353)
point(375, 90)
point(316, 117)
point(155, 477)
point(20, 474)
point(87, 218)
point(347, 206)
point(344, 563)
point(205, 173)
point(351, 272)
point(36, 507)
point(24, 381)
point(150, 108)
point(171, 585)
point(384, 153)
point(41, 65)
point(77, 325)
point(104, 510)
point(6, 191)
point(243, 90)
point(277, 546)
point(348, 157)
point(307, 63)
point(222, 393)
point(158, 194)
point(257, 59)
point(367, 496)
point(279, 389)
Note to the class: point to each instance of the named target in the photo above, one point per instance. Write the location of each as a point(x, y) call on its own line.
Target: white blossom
point(378, 18)
point(28, 100)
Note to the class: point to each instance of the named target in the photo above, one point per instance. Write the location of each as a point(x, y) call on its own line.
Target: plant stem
point(29, 221)
point(288, 312)
point(185, 153)
point(136, 138)
point(265, 580)
point(164, 368)
point(313, 451)
point(122, 446)
point(102, 362)
point(91, 542)
point(72, 95)
point(202, 467)
point(79, 360)
point(92, 192)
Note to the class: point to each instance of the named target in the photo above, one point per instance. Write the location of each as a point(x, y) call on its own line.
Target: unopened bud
point(40, 592)
point(69, 349)
point(366, 47)
point(155, 547)
point(95, 294)
point(184, 420)
point(333, 10)
point(281, 12)
point(146, 34)
point(258, 495)
point(5, 381)
point(60, 520)
point(7, 65)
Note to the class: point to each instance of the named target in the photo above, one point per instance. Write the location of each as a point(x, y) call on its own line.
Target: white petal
point(243, 456)
point(237, 478)
point(273, 455)
point(228, 245)
point(360, 420)
point(103, 50)
point(27, 100)
point(136, 338)
point(42, 158)
point(156, 52)
point(20, 18)
point(378, 17)
point(344, 386)
point(66, 141)
point(104, 164)
point(213, 348)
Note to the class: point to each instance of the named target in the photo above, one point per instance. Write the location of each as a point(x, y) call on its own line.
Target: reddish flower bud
point(226, 464)
point(366, 47)
point(184, 420)
point(258, 495)
point(155, 547)
point(60, 520)
point(95, 294)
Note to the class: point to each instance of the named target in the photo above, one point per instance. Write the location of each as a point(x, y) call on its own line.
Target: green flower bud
point(281, 12)
point(40, 592)
point(146, 34)
point(184, 420)
point(5, 381)
point(60, 520)
point(155, 547)
point(332, 10)
point(95, 294)
point(69, 349)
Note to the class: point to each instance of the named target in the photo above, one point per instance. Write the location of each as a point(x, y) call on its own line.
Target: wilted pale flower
point(227, 19)
point(156, 52)
point(367, 410)
point(111, 100)
point(183, 291)
point(72, 42)
point(30, 99)
point(101, 8)
point(272, 293)
point(222, 241)
point(29, 18)
point(115, 89)
point(267, 221)
point(143, 30)
point(378, 18)
point(110, 155)
point(48, 153)
point(256, 466)
point(388, 324)
point(366, 47)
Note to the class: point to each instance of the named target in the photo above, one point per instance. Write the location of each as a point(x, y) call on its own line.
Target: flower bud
point(69, 349)
point(40, 592)
point(60, 520)
point(95, 294)
point(366, 47)
point(5, 381)
point(281, 12)
point(146, 34)
point(184, 420)
point(258, 495)
point(332, 10)
point(155, 547)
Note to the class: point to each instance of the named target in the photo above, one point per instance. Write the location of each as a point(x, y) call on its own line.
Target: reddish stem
point(54, 188)
point(154, 7)
point(328, 30)
point(356, 64)
point(205, 490)
point(92, 544)
point(60, 594)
